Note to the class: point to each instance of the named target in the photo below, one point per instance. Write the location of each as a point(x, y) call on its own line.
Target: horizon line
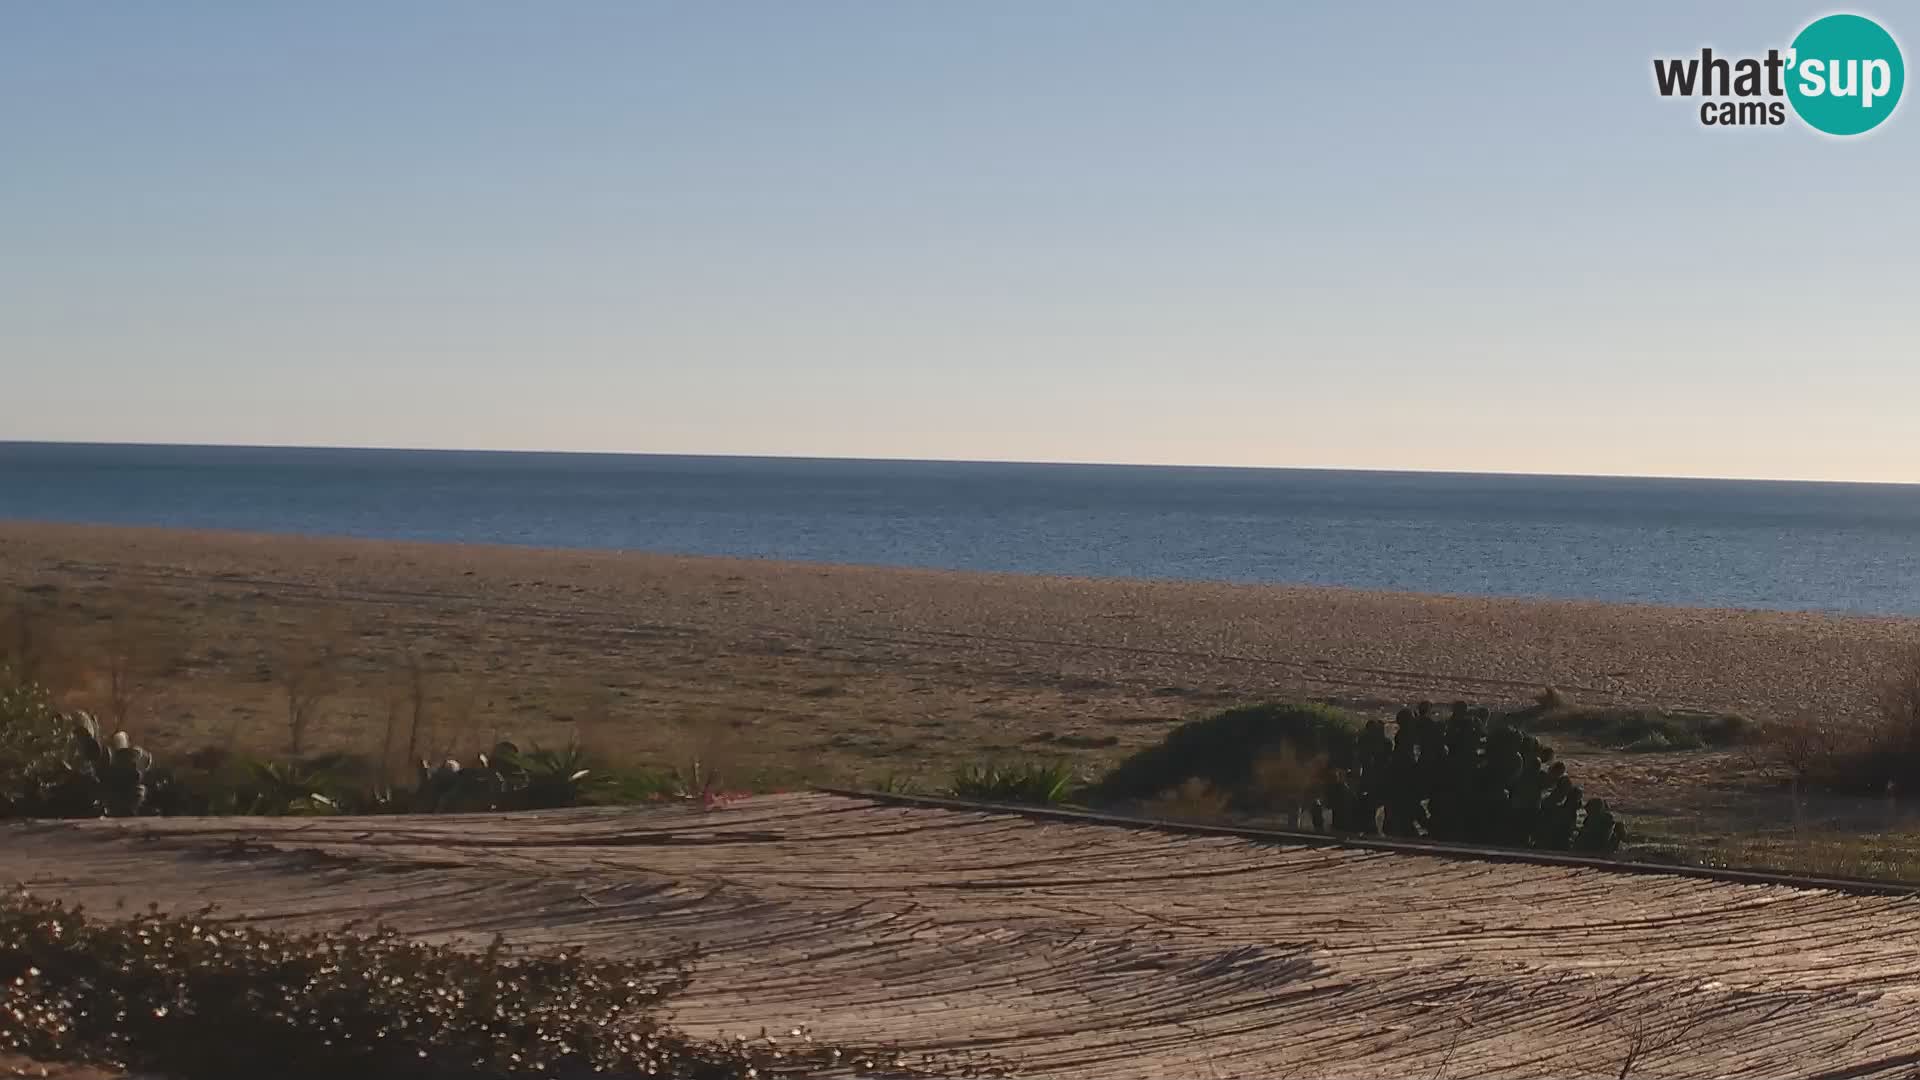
point(963, 461)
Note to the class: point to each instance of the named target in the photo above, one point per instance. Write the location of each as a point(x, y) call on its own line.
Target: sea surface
point(1811, 546)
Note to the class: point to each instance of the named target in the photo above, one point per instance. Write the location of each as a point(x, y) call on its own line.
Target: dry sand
point(838, 671)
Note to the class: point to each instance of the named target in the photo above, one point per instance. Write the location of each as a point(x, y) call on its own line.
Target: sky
point(1385, 235)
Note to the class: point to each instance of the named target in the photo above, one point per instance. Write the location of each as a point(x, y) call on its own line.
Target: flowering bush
point(201, 998)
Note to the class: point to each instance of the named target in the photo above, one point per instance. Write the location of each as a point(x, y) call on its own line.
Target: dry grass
point(1286, 783)
point(307, 671)
point(1887, 856)
point(1897, 730)
point(1879, 754)
point(1195, 801)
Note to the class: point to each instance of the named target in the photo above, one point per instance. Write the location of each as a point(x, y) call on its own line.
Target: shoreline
point(325, 448)
point(858, 667)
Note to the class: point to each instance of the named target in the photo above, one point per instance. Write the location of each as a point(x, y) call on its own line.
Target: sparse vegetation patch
point(1636, 730)
point(65, 765)
point(1040, 782)
point(1878, 757)
point(1465, 777)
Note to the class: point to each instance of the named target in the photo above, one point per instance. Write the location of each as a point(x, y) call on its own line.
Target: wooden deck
point(1078, 949)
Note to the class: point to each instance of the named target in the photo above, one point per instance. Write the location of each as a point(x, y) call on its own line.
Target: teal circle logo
point(1845, 74)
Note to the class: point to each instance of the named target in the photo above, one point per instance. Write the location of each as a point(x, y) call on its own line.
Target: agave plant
point(1022, 782)
point(545, 779)
point(291, 789)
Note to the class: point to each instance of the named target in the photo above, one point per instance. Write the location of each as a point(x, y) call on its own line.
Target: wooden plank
point(1079, 947)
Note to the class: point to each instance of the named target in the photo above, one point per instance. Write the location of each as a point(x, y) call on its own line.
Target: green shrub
point(621, 787)
point(508, 778)
point(1465, 778)
point(1225, 750)
point(198, 997)
point(1625, 728)
point(1015, 782)
point(1726, 729)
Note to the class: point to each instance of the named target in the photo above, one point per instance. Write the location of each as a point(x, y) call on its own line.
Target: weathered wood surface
point(1083, 950)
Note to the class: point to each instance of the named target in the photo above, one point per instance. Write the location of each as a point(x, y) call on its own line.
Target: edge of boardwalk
point(1854, 886)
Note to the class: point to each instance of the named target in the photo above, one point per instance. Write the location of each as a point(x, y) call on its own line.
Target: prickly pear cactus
point(1599, 832)
point(1466, 777)
point(124, 781)
point(91, 749)
point(105, 774)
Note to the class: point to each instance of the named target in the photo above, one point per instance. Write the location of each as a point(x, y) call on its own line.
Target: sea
point(1717, 543)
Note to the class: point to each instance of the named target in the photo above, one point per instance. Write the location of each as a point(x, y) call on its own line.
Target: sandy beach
point(835, 671)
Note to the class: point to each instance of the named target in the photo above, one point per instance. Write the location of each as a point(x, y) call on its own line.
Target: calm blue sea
point(1837, 547)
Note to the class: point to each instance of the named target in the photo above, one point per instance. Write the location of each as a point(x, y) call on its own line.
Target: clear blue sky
point(1375, 235)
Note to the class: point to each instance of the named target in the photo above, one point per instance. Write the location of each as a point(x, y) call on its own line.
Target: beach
point(832, 672)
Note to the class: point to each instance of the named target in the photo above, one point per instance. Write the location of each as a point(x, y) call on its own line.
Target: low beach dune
point(832, 670)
